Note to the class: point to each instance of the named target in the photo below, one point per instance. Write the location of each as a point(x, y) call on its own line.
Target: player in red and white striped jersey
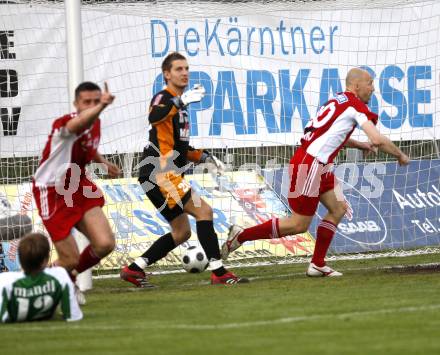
point(311, 178)
point(64, 195)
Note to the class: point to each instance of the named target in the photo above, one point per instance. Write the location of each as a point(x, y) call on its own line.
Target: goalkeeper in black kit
point(161, 175)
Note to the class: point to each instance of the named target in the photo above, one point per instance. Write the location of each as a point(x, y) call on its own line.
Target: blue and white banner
point(265, 72)
point(393, 207)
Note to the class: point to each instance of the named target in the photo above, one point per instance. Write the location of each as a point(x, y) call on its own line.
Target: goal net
point(267, 66)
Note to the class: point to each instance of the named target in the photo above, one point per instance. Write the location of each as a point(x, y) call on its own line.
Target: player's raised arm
point(383, 143)
point(89, 105)
point(161, 107)
point(164, 104)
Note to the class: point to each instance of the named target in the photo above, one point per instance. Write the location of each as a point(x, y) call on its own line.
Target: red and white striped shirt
point(326, 134)
point(64, 148)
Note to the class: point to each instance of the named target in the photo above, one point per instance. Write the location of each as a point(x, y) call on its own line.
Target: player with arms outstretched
point(161, 175)
point(37, 291)
point(64, 195)
point(311, 178)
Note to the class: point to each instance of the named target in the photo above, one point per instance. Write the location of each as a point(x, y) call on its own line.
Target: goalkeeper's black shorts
point(168, 193)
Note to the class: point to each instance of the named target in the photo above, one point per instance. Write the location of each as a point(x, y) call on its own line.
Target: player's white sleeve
point(69, 304)
point(60, 127)
point(6, 281)
point(4, 299)
point(360, 118)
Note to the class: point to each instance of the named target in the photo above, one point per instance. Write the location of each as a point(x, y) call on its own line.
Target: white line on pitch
point(166, 325)
point(269, 277)
point(309, 318)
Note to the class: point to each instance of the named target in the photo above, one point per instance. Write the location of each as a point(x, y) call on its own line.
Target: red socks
point(87, 259)
point(266, 230)
point(270, 229)
point(324, 235)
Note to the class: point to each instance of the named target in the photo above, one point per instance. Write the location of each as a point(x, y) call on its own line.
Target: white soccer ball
point(194, 260)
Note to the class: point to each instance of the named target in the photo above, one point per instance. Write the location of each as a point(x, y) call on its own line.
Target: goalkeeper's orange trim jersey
point(169, 134)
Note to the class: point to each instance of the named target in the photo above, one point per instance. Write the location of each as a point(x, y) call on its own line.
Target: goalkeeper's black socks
point(159, 249)
point(133, 267)
point(209, 242)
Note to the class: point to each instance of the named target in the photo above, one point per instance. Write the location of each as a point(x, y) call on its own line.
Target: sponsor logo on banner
point(364, 225)
point(401, 211)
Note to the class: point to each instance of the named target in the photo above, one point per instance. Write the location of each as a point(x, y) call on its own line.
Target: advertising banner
point(239, 197)
point(265, 73)
point(391, 208)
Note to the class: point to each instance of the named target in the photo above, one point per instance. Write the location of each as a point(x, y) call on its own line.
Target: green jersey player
point(37, 291)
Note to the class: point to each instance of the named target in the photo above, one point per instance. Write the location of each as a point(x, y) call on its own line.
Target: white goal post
point(75, 77)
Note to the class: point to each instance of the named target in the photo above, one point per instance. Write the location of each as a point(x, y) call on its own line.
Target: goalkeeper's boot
point(326, 271)
point(137, 278)
point(228, 279)
point(231, 242)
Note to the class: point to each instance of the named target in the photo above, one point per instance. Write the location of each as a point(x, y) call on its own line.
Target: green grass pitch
point(372, 309)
